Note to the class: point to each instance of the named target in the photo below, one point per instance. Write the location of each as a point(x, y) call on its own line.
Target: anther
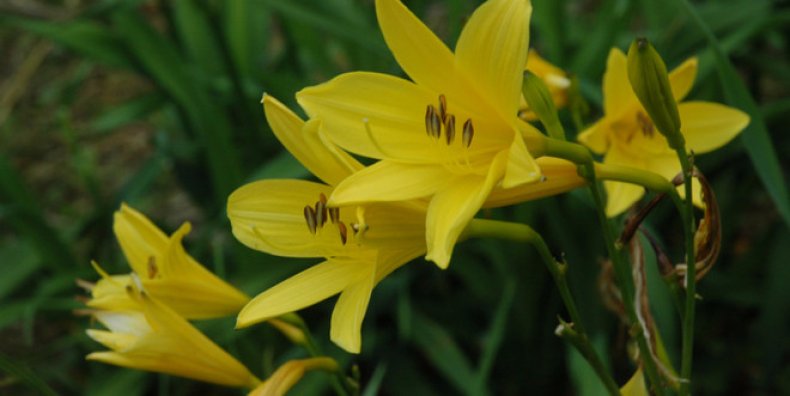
point(442, 107)
point(334, 214)
point(309, 216)
point(449, 129)
point(153, 270)
point(468, 133)
point(645, 124)
point(343, 232)
point(322, 198)
point(429, 114)
point(320, 213)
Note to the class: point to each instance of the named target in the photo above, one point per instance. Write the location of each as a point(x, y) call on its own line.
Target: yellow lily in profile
point(627, 136)
point(452, 133)
point(153, 337)
point(361, 244)
point(166, 271)
point(556, 80)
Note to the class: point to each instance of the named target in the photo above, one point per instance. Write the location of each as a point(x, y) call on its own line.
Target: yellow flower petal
point(555, 78)
point(421, 54)
point(708, 126)
point(268, 215)
point(681, 79)
point(618, 95)
point(287, 375)
point(389, 181)
point(139, 238)
point(155, 338)
point(375, 115)
point(559, 176)
point(596, 136)
point(306, 288)
point(349, 312)
point(492, 52)
point(303, 141)
point(452, 208)
point(621, 196)
point(669, 167)
point(521, 167)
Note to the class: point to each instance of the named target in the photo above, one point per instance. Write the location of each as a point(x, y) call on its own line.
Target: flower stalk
point(575, 332)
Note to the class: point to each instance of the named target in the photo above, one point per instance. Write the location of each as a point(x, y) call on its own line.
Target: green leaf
point(494, 337)
point(443, 353)
point(15, 369)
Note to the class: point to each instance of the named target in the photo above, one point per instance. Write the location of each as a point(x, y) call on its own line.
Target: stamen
point(322, 198)
point(442, 107)
point(449, 128)
point(320, 213)
point(468, 133)
point(334, 214)
point(153, 270)
point(309, 216)
point(343, 232)
point(433, 123)
point(645, 124)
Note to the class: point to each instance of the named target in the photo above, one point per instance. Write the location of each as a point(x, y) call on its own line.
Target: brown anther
point(436, 125)
point(343, 232)
point(449, 129)
point(320, 214)
point(310, 217)
point(322, 198)
point(334, 214)
point(468, 133)
point(442, 107)
point(152, 268)
point(645, 124)
point(430, 113)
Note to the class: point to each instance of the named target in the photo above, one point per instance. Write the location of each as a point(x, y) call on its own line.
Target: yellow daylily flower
point(153, 337)
point(287, 375)
point(166, 271)
point(627, 136)
point(452, 133)
point(555, 78)
point(361, 244)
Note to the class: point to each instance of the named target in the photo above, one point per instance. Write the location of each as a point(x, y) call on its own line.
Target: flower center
point(440, 126)
point(645, 124)
point(316, 217)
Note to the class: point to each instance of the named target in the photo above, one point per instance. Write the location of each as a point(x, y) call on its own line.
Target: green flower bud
point(540, 101)
point(650, 82)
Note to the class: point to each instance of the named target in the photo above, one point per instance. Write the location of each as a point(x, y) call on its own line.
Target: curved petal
point(708, 126)
point(139, 238)
point(669, 167)
point(492, 52)
point(387, 181)
point(452, 208)
point(596, 137)
point(268, 215)
point(306, 288)
point(371, 114)
point(421, 54)
point(328, 163)
point(559, 176)
point(617, 93)
point(349, 312)
point(621, 196)
point(635, 386)
point(681, 78)
point(521, 167)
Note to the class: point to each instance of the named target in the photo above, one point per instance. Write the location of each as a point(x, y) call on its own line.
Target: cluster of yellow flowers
point(452, 139)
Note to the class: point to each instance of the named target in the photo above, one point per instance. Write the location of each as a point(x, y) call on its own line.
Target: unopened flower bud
point(650, 82)
point(540, 101)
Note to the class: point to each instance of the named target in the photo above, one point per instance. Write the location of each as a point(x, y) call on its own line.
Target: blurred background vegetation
point(156, 103)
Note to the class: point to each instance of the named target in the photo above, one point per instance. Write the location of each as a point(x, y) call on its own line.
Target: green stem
point(578, 335)
point(691, 274)
point(581, 155)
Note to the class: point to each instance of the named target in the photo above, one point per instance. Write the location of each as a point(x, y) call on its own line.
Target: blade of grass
point(494, 337)
point(755, 137)
point(443, 353)
point(20, 371)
